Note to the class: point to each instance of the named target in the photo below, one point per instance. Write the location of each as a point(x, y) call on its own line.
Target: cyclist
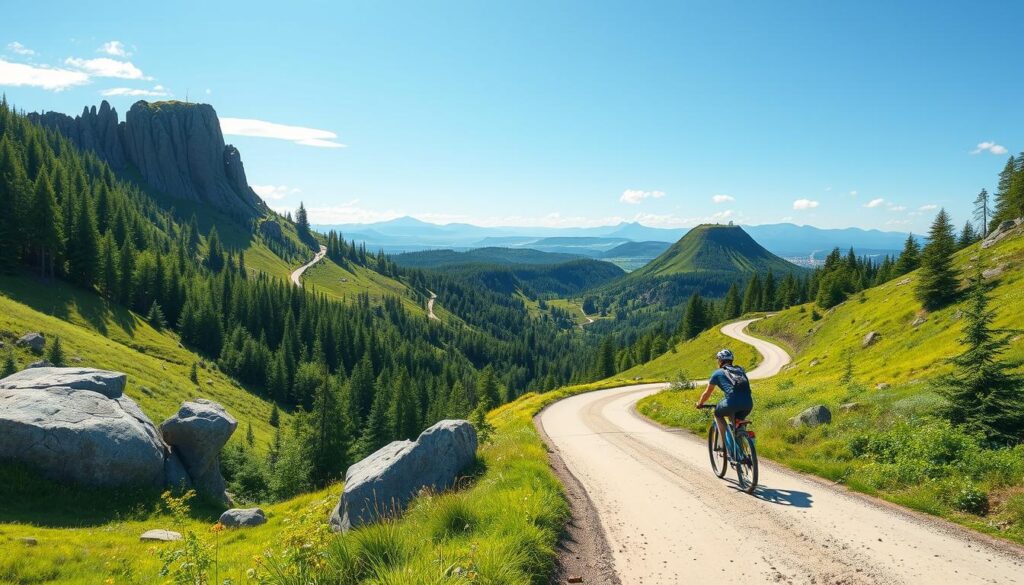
point(733, 381)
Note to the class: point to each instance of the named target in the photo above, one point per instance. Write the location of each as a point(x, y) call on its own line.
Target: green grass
point(95, 334)
point(346, 284)
point(695, 358)
point(574, 309)
point(503, 527)
point(873, 446)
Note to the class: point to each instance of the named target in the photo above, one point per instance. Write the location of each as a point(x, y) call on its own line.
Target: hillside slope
point(885, 437)
point(715, 248)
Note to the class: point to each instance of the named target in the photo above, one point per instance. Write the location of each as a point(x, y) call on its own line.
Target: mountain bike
point(739, 451)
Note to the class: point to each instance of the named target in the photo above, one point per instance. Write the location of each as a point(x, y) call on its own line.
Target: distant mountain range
point(801, 244)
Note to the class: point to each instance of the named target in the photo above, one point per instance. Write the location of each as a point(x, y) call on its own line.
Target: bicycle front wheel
point(746, 467)
point(717, 451)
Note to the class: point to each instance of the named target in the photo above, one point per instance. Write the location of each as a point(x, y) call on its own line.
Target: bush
point(963, 495)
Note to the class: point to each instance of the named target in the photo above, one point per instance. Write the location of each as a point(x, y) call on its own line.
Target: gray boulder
point(243, 517)
point(383, 484)
point(1002, 231)
point(849, 406)
point(40, 364)
point(75, 424)
point(34, 341)
point(196, 435)
point(812, 417)
point(870, 339)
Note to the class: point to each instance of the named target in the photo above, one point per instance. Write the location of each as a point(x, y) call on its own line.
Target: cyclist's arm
point(707, 394)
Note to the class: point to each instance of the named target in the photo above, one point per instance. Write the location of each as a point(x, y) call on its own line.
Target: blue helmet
point(724, 355)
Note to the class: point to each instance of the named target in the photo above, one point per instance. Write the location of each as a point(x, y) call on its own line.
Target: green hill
point(715, 249)
point(490, 255)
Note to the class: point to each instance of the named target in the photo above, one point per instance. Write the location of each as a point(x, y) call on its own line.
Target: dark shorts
point(734, 407)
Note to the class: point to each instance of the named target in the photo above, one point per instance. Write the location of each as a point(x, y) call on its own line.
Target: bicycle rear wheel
point(746, 467)
point(719, 458)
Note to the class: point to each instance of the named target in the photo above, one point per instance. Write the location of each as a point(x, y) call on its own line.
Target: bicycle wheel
point(746, 467)
point(719, 458)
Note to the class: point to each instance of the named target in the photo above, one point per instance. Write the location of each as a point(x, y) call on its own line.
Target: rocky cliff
point(176, 147)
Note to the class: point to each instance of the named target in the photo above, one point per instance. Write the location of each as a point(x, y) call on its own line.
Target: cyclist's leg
point(722, 410)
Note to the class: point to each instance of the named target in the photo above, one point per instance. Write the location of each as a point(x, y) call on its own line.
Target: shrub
point(963, 495)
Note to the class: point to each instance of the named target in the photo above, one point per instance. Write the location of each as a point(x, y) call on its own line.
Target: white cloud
point(722, 198)
point(929, 207)
point(20, 49)
point(894, 207)
point(635, 196)
point(803, 204)
point(19, 74)
point(157, 91)
point(296, 134)
point(106, 67)
point(115, 48)
point(875, 203)
point(988, 146)
point(853, 193)
point(275, 192)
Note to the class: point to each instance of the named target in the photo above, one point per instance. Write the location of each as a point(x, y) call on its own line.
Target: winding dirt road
point(430, 305)
point(667, 519)
point(297, 275)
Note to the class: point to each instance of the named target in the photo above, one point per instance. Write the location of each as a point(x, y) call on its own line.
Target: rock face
point(383, 484)
point(96, 130)
point(196, 435)
point(1002, 231)
point(243, 517)
point(177, 147)
point(812, 417)
point(34, 341)
point(76, 424)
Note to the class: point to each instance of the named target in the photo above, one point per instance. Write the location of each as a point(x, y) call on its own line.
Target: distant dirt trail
point(430, 305)
point(585, 316)
point(666, 518)
point(297, 275)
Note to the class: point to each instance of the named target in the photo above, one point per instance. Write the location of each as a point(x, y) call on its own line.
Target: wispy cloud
point(635, 196)
point(115, 48)
point(48, 78)
point(275, 192)
point(722, 198)
point(157, 91)
point(804, 204)
point(106, 67)
point(875, 203)
point(989, 147)
point(929, 207)
point(20, 49)
point(296, 134)
point(896, 207)
point(853, 193)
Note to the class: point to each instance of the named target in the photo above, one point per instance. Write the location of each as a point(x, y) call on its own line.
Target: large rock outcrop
point(76, 424)
point(177, 147)
point(96, 130)
point(196, 434)
point(383, 484)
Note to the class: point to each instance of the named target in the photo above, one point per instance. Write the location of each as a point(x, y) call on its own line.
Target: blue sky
point(564, 113)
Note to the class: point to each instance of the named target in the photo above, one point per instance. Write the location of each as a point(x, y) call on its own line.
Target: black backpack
point(738, 377)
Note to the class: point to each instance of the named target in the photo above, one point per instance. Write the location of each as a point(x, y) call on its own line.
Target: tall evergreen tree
point(46, 225)
point(910, 258)
point(982, 211)
point(752, 297)
point(938, 282)
point(985, 394)
point(967, 236)
point(695, 319)
point(214, 251)
point(731, 307)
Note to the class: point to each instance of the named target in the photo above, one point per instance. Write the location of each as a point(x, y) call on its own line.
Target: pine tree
point(193, 374)
point(982, 211)
point(250, 438)
point(328, 437)
point(605, 366)
point(985, 394)
point(731, 307)
point(214, 251)
point(695, 318)
point(1004, 194)
point(13, 184)
point(967, 236)
point(46, 225)
point(83, 245)
point(302, 222)
point(769, 292)
point(55, 353)
point(753, 295)
point(403, 412)
point(275, 416)
point(938, 283)
point(910, 257)
point(487, 387)
point(10, 366)
point(484, 429)
point(156, 317)
point(375, 430)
